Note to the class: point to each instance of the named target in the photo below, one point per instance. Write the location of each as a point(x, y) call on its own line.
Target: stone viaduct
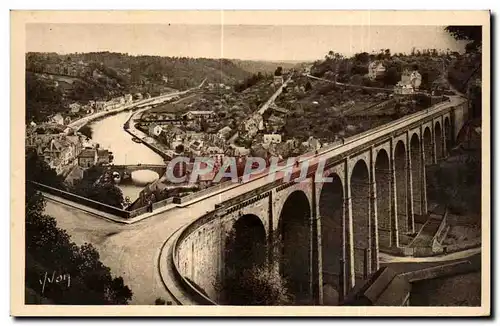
point(326, 236)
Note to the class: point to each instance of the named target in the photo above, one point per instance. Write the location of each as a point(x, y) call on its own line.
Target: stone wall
point(200, 253)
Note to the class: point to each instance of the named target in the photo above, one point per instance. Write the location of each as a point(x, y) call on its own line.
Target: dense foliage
point(38, 170)
point(53, 80)
point(468, 33)
point(248, 278)
point(86, 130)
point(457, 184)
point(104, 192)
point(42, 99)
point(248, 82)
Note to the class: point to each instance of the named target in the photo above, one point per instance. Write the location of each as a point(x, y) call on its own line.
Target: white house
point(196, 147)
point(74, 107)
point(128, 98)
point(376, 69)
point(272, 138)
point(154, 130)
point(58, 118)
point(415, 79)
point(278, 80)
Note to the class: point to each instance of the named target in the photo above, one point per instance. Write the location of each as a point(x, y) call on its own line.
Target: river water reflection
point(109, 134)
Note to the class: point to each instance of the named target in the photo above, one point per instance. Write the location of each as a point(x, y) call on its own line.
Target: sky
point(247, 42)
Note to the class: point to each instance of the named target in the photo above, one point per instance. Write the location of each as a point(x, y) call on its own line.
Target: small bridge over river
point(128, 169)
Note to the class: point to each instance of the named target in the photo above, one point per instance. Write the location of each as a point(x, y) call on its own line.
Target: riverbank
point(150, 142)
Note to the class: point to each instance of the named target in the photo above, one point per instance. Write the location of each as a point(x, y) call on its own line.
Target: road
point(273, 97)
point(260, 111)
point(77, 124)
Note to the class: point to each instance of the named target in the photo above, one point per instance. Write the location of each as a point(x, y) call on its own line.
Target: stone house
point(104, 156)
point(272, 138)
point(87, 158)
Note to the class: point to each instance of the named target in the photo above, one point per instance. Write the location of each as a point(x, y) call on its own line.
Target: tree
point(473, 34)
point(204, 125)
point(392, 76)
point(39, 171)
point(86, 130)
point(278, 71)
point(308, 86)
point(179, 148)
point(249, 279)
point(50, 250)
point(104, 192)
point(362, 57)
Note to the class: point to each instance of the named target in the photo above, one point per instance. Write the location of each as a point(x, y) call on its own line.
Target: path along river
point(109, 134)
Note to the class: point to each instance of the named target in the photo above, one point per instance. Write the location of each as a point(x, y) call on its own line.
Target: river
point(109, 134)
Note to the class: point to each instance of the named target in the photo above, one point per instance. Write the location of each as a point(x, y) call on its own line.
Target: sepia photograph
point(311, 162)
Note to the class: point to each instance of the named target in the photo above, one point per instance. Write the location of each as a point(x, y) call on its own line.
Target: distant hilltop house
point(376, 69)
point(415, 79)
point(410, 82)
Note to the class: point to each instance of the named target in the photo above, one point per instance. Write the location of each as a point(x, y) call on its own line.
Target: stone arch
point(383, 184)
point(416, 174)
point(438, 140)
point(246, 244)
point(295, 243)
point(447, 134)
point(331, 208)
point(400, 166)
point(360, 200)
point(427, 139)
